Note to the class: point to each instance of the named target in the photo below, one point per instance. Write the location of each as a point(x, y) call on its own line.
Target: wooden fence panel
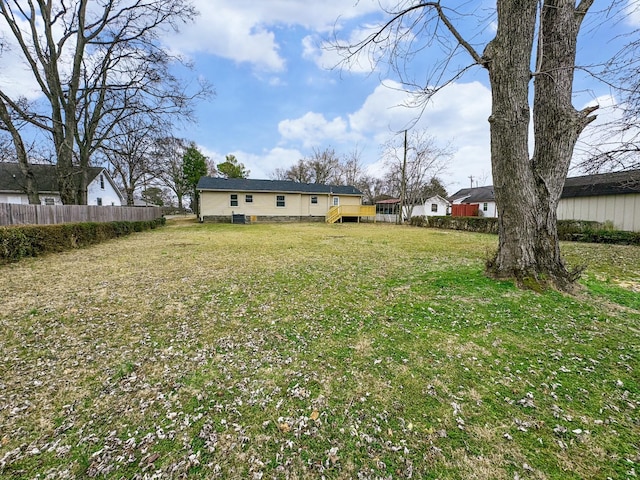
point(17, 214)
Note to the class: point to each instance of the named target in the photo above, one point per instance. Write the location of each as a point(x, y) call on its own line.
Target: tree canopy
point(324, 166)
point(232, 168)
point(194, 167)
point(96, 64)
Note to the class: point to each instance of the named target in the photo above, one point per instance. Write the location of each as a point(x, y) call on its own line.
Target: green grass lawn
point(315, 351)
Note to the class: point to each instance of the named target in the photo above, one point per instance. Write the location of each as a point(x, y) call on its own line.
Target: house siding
point(425, 209)
point(108, 194)
point(12, 188)
point(216, 206)
point(23, 199)
point(491, 209)
point(622, 210)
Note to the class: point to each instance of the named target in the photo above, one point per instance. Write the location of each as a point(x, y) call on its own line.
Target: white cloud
point(604, 133)
point(263, 165)
point(326, 56)
point(16, 76)
point(632, 10)
point(233, 31)
point(260, 165)
point(457, 115)
point(313, 129)
point(383, 111)
point(245, 30)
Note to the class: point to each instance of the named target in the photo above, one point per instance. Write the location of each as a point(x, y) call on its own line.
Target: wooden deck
point(338, 213)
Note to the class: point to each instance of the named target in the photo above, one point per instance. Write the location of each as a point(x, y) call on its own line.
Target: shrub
point(609, 236)
point(469, 224)
point(568, 230)
point(17, 242)
point(419, 221)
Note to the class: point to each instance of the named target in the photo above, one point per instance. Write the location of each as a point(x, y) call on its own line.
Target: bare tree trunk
point(528, 190)
point(507, 58)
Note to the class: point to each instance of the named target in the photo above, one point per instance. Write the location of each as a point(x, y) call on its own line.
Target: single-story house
point(483, 197)
point(223, 199)
point(432, 206)
point(101, 189)
point(605, 197)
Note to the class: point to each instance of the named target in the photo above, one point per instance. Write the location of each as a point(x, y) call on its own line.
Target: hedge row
point(469, 224)
point(569, 230)
point(17, 242)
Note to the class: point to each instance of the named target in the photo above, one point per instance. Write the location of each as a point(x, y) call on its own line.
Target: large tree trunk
point(528, 190)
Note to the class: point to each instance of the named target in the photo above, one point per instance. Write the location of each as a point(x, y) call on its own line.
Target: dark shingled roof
point(280, 186)
point(12, 180)
point(475, 195)
point(615, 183)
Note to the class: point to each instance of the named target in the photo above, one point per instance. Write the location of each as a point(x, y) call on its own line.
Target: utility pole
point(403, 182)
point(471, 178)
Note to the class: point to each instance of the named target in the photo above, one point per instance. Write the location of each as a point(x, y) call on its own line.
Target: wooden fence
point(17, 214)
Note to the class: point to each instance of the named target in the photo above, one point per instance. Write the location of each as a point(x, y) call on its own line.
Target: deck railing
point(336, 213)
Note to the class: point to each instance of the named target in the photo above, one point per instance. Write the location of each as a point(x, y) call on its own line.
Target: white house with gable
point(432, 207)
point(101, 189)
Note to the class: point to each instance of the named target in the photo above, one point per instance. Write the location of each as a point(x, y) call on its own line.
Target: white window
point(99, 201)
point(102, 182)
point(485, 206)
point(49, 201)
point(314, 200)
point(248, 198)
point(280, 201)
point(233, 201)
point(336, 201)
point(434, 207)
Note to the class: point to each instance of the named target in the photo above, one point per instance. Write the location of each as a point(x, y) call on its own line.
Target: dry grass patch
point(303, 351)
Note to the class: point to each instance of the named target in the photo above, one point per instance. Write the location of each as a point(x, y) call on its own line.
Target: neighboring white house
point(605, 197)
point(433, 206)
point(101, 189)
point(481, 196)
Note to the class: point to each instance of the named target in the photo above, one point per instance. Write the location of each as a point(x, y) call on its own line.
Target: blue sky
point(277, 97)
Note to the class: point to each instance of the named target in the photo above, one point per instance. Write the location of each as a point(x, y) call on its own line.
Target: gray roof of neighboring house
point(614, 183)
point(474, 195)
point(12, 179)
point(280, 186)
